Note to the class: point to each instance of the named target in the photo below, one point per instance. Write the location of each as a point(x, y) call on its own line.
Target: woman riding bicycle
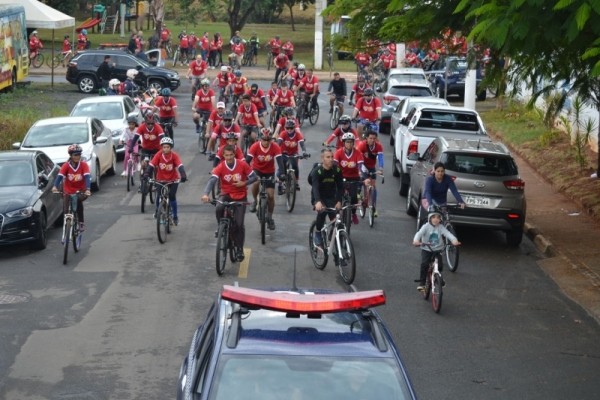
point(125, 140)
point(437, 186)
point(76, 174)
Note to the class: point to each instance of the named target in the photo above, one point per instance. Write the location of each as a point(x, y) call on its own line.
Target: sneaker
point(197, 128)
point(355, 219)
point(330, 110)
point(280, 190)
point(216, 233)
point(240, 254)
point(421, 288)
point(175, 221)
point(211, 156)
point(124, 173)
point(253, 207)
point(81, 227)
point(375, 214)
point(271, 224)
point(318, 239)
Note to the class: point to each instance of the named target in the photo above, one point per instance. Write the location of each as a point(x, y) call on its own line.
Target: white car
point(112, 111)
point(401, 110)
point(53, 136)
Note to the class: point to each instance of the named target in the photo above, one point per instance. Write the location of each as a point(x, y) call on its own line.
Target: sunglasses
point(290, 129)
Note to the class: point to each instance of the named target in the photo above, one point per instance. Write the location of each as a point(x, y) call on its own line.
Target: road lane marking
point(243, 273)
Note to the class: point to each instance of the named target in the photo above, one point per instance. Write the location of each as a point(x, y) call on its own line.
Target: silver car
point(487, 179)
point(395, 93)
point(53, 136)
point(405, 105)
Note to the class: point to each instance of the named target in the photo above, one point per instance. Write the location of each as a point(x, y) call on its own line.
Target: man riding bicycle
point(310, 83)
point(337, 91)
point(234, 177)
point(284, 98)
point(281, 64)
point(351, 162)
point(287, 115)
point(204, 102)
point(257, 97)
point(222, 81)
point(289, 141)
point(344, 126)
point(231, 139)
point(221, 131)
point(248, 115)
point(151, 134)
point(214, 120)
point(367, 109)
point(167, 110)
point(197, 72)
point(238, 86)
point(358, 90)
point(372, 152)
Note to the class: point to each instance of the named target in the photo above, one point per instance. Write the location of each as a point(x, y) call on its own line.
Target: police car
point(293, 344)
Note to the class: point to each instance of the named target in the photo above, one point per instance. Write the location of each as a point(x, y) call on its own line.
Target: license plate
point(477, 201)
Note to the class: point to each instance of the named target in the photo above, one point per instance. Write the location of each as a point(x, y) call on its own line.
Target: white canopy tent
point(41, 16)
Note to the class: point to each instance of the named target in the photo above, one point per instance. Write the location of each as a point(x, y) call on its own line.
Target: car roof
point(18, 154)
point(105, 52)
point(482, 145)
point(62, 120)
point(411, 71)
point(427, 100)
point(103, 99)
point(445, 108)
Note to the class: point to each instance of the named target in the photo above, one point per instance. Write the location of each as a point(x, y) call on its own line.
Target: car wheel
point(391, 138)
point(421, 215)
point(41, 241)
point(113, 165)
point(86, 84)
point(156, 84)
point(395, 171)
point(410, 210)
point(96, 182)
point(403, 184)
point(514, 237)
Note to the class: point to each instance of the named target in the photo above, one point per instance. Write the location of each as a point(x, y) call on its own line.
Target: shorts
point(270, 184)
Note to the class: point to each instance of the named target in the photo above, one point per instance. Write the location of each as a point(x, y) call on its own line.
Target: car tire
point(96, 183)
point(86, 84)
point(514, 237)
point(395, 171)
point(156, 84)
point(113, 165)
point(410, 210)
point(421, 216)
point(41, 240)
point(403, 184)
point(392, 141)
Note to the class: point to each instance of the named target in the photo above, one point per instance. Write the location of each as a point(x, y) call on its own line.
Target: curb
point(543, 245)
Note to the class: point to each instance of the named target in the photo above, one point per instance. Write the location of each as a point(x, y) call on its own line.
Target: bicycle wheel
point(53, 62)
point(317, 254)
point(222, 247)
point(38, 61)
point(152, 193)
point(436, 293)
point(300, 113)
point(427, 291)
point(452, 253)
point(370, 208)
point(162, 222)
point(216, 190)
point(202, 140)
point(66, 239)
point(169, 217)
point(290, 191)
point(333, 121)
point(347, 218)
point(362, 207)
point(347, 261)
point(76, 235)
point(144, 193)
point(175, 57)
point(269, 61)
point(262, 219)
point(313, 116)
point(129, 175)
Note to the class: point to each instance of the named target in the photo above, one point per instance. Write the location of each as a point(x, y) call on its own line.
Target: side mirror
point(101, 139)
point(414, 157)
point(16, 145)
point(404, 121)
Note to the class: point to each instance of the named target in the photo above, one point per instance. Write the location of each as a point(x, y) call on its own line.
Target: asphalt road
point(116, 322)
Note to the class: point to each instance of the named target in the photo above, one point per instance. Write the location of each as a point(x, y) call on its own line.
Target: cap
point(220, 105)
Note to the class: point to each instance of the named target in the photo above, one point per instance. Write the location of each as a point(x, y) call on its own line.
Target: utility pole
point(320, 5)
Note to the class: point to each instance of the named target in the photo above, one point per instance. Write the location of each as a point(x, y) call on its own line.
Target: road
point(116, 322)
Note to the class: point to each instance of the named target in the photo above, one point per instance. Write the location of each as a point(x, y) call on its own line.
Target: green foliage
point(68, 7)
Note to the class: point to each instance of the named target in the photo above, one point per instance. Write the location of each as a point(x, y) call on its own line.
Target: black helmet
point(368, 92)
point(132, 120)
point(289, 111)
point(231, 135)
point(228, 115)
point(290, 123)
point(345, 119)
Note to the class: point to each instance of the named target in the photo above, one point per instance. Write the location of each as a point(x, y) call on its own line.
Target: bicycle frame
point(332, 229)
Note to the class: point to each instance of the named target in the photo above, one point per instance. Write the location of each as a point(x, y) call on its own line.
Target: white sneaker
point(594, 175)
point(124, 173)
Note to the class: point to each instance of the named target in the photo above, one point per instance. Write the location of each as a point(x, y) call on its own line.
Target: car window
point(98, 128)
point(400, 106)
point(123, 61)
point(418, 78)
point(43, 164)
point(481, 164)
point(129, 106)
point(56, 135)
point(431, 153)
point(112, 110)
point(407, 91)
point(16, 173)
point(448, 120)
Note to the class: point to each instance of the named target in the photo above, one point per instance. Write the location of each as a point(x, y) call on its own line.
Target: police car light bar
point(303, 303)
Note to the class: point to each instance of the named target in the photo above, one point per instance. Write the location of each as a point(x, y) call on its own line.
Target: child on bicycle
point(431, 233)
point(168, 169)
point(76, 174)
point(126, 138)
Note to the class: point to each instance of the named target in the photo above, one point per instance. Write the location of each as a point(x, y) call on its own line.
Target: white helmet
point(114, 82)
point(224, 68)
point(132, 73)
point(348, 136)
point(166, 140)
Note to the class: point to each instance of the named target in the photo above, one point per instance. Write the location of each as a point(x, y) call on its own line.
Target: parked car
point(112, 111)
point(448, 78)
point(396, 92)
point(27, 204)
point(82, 70)
point(404, 106)
point(412, 75)
point(54, 135)
point(487, 179)
point(309, 344)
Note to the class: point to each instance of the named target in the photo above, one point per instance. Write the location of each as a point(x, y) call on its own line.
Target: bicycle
point(168, 128)
point(275, 115)
point(178, 56)
point(225, 234)
point(347, 203)
point(247, 137)
point(366, 206)
point(146, 187)
point(301, 108)
point(71, 232)
point(364, 125)
point(336, 241)
point(434, 282)
point(132, 164)
point(261, 207)
point(195, 86)
point(269, 57)
point(452, 252)
point(60, 58)
point(248, 60)
point(336, 113)
point(313, 112)
point(164, 214)
point(36, 61)
point(290, 183)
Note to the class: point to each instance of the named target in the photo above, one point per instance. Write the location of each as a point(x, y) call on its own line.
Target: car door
point(422, 169)
point(123, 63)
point(132, 109)
point(102, 148)
point(46, 174)
point(396, 115)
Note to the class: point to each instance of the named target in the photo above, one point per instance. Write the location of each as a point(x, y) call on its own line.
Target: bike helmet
point(132, 120)
point(368, 92)
point(84, 31)
point(166, 92)
point(149, 118)
point(132, 73)
point(66, 36)
point(34, 33)
point(348, 136)
point(220, 104)
point(290, 123)
point(289, 111)
point(166, 140)
point(361, 78)
point(237, 73)
point(74, 149)
point(114, 82)
point(345, 119)
point(432, 213)
point(224, 68)
point(227, 118)
point(231, 135)
point(295, 64)
point(301, 67)
point(254, 87)
point(265, 134)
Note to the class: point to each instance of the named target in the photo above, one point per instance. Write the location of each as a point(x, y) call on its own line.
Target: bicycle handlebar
point(229, 203)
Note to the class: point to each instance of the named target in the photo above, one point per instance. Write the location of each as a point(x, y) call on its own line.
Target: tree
point(290, 5)
point(238, 12)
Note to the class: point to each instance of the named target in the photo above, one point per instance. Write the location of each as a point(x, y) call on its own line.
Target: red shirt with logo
point(298, 78)
point(221, 132)
point(349, 163)
point(238, 49)
point(164, 34)
point(192, 40)
point(74, 177)
point(150, 137)
point(215, 118)
point(184, 41)
point(337, 134)
point(165, 166)
point(388, 60)
point(239, 154)
point(248, 114)
point(204, 45)
point(359, 90)
point(166, 109)
point(275, 46)
point(239, 85)
point(225, 78)
point(204, 102)
point(198, 68)
point(370, 153)
point(66, 46)
point(271, 93)
point(257, 98)
point(288, 48)
point(362, 59)
point(281, 62)
point(263, 159)
point(368, 109)
point(310, 84)
point(285, 99)
point(238, 172)
point(290, 143)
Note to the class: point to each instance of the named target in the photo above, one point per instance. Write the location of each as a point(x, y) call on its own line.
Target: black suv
point(82, 70)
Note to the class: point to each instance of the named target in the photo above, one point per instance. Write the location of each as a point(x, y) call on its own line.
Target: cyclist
point(231, 139)
point(125, 140)
point(289, 141)
point(237, 53)
point(204, 102)
point(220, 132)
point(215, 118)
point(344, 126)
point(432, 233)
point(222, 81)
point(168, 169)
point(271, 93)
point(387, 61)
point(300, 74)
point(82, 40)
point(113, 87)
point(234, 176)
point(351, 163)
point(287, 115)
point(263, 156)
point(257, 97)
point(166, 105)
point(151, 134)
point(165, 37)
point(362, 60)
point(184, 44)
point(131, 88)
point(67, 50)
point(327, 190)
point(311, 84)
point(288, 49)
point(281, 64)
point(196, 72)
point(437, 186)
point(337, 92)
point(291, 74)
point(275, 45)
point(248, 115)
point(372, 152)
point(254, 44)
point(368, 108)
point(238, 85)
point(76, 174)
point(358, 89)
point(284, 98)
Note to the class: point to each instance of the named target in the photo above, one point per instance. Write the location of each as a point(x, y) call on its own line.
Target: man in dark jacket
point(104, 72)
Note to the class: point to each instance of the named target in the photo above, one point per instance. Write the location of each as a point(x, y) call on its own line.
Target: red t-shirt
point(337, 134)
point(368, 109)
point(349, 164)
point(275, 46)
point(192, 40)
point(66, 46)
point(290, 144)
point(205, 102)
point(281, 62)
point(239, 154)
point(248, 114)
point(165, 166)
point(221, 132)
point(282, 120)
point(150, 138)
point(288, 48)
point(263, 159)
point(239, 85)
point(238, 172)
point(74, 177)
point(204, 45)
point(238, 49)
point(389, 61)
point(359, 91)
point(215, 118)
point(285, 99)
point(298, 78)
point(164, 35)
point(225, 78)
point(362, 59)
point(184, 42)
point(166, 110)
point(271, 93)
point(311, 84)
point(370, 157)
point(256, 98)
point(198, 68)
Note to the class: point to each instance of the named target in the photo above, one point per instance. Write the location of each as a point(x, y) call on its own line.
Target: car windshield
point(418, 78)
point(56, 135)
point(406, 91)
point(15, 173)
point(293, 377)
point(480, 164)
point(103, 111)
point(448, 120)
point(457, 65)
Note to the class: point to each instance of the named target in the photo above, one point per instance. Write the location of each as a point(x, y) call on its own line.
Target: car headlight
point(172, 76)
point(23, 212)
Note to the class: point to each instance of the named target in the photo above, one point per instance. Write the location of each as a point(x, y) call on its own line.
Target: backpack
point(314, 167)
point(122, 89)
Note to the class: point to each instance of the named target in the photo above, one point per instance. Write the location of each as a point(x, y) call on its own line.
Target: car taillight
point(389, 99)
point(513, 216)
point(303, 303)
point(514, 184)
point(413, 147)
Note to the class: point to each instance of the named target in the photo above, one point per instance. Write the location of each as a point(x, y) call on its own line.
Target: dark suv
point(448, 78)
point(82, 70)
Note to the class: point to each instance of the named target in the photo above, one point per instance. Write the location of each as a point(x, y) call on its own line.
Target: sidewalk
point(560, 229)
